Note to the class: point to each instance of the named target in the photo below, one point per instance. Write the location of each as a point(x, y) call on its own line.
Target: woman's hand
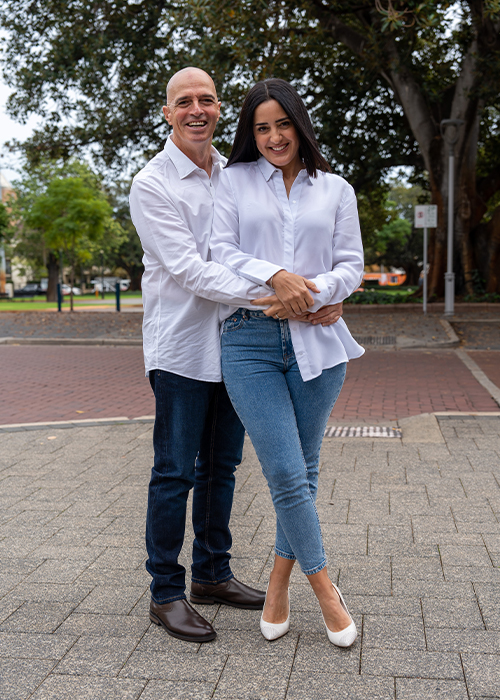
point(293, 291)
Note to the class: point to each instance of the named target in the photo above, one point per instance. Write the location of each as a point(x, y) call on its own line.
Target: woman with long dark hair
point(283, 219)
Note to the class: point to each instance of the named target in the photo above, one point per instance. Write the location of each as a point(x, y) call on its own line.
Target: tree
point(61, 207)
point(128, 254)
point(379, 77)
point(4, 227)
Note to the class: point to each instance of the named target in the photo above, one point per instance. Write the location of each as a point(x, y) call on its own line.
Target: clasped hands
point(292, 298)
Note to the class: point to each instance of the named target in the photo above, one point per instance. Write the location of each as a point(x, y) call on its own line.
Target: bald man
point(197, 437)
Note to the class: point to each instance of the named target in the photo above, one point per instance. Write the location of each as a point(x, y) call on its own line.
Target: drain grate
point(376, 339)
point(369, 431)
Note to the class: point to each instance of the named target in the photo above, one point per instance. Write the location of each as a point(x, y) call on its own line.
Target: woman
point(283, 219)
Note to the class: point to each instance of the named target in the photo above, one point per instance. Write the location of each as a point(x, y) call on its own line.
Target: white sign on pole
point(426, 216)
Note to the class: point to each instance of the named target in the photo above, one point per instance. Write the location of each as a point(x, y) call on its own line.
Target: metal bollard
point(117, 292)
point(59, 297)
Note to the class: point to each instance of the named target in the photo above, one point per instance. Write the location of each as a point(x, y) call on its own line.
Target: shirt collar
point(268, 169)
point(182, 163)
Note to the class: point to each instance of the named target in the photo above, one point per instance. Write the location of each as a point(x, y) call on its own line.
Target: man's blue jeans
point(285, 418)
point(198, 441)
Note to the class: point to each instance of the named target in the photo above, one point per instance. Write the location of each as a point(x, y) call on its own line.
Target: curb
point(71, 341)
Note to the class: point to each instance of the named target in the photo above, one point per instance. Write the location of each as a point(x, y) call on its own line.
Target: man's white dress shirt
point(171, 203)
point(313, 232)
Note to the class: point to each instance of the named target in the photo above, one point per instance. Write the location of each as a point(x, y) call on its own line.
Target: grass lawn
point(39, 304)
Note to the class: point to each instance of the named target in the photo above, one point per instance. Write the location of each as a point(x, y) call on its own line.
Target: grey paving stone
point(109, 599)
point(457, 613)
point(411, 664)
point(323, 686)
point(104, 625)
point(37, 617)
point(488, 597)
point(417, 689)
point(392, 632)
point(57, 571)
point(88, 688)
point(51, 592)
point(7, 607)
point(482, 673)
point(366, 575)
point(20, 677)
point(433, 589)
point(478, 641)
point(161, 690)
point(35, 646)
point(97, 656)
point(400, 606)
point(314, 651)
point(476, 574)
point(175, 666)
point(418, 568)
point(464, 556)
point(254, 677)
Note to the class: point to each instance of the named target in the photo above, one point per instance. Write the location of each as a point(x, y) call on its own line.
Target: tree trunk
point(53, 270)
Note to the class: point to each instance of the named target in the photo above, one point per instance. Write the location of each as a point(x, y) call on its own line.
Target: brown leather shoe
point(231, 592)
point(181, 621)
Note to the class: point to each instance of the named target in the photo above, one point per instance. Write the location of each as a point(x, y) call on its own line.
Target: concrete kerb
point(71, 341)
point(422, 428)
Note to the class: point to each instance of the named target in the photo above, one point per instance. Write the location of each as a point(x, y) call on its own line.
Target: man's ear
point(166, 113)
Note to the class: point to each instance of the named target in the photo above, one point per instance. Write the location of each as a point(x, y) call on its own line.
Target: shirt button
point(294, 201)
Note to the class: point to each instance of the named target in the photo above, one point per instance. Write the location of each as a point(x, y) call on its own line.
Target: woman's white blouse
point(258, 230)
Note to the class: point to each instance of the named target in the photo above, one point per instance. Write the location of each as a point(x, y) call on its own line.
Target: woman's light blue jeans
point(285, 418)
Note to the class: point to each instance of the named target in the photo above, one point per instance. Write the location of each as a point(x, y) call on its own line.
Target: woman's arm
point(291, 289)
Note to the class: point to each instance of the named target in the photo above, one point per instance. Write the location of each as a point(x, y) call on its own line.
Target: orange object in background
point(385, 279)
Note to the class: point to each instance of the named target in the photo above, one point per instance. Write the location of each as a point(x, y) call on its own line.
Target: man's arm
point(166, 238)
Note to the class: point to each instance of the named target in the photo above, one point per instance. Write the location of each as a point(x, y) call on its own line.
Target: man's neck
point(200, 154)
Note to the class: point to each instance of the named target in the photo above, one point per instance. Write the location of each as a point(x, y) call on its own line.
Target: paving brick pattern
point(411, 530)
point(51, 383)
point(393, 385)
point(489, 362)
point(80, 324)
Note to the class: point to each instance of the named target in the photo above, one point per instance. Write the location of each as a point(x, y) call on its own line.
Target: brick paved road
point(489, 362)
point(50, 383)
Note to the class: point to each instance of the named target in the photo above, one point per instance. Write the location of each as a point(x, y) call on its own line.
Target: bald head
point(192, 110)
point(186, 77)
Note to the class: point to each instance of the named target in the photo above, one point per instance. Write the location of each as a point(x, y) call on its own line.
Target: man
point(197, 436)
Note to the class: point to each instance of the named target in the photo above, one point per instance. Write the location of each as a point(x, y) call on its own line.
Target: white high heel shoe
point(272, 631)
point(347, 636)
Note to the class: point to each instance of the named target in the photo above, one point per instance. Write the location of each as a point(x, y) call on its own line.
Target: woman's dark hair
point(244, 149)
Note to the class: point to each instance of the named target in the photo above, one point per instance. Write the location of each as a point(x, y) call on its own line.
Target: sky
point(9, 163)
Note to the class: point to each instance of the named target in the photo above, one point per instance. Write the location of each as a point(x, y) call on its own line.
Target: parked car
point(110, 285)
point(66, 289)
point(29, 290)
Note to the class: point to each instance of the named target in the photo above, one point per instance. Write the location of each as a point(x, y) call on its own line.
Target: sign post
point(425, 217)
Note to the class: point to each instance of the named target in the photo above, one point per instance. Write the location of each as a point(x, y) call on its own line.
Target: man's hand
point(327, 315)
point(293, 291)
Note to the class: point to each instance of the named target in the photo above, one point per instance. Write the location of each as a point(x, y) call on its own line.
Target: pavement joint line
point(478, 373)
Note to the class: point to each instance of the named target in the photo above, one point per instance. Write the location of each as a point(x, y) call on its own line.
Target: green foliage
point(62, 207)
point(371, 296)
point(4, 222)
point(70, 215)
